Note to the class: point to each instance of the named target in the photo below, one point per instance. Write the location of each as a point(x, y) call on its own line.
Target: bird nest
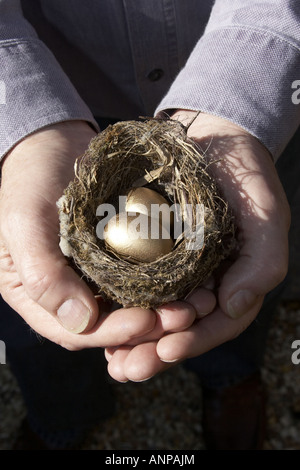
point(159, 155)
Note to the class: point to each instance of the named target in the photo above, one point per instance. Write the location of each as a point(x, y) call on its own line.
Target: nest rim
point(158, 154)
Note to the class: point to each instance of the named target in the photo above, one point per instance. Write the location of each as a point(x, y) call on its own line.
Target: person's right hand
point(35, 278)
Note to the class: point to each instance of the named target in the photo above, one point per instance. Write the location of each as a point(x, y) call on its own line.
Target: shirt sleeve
point(34, 90)
point(245, 68)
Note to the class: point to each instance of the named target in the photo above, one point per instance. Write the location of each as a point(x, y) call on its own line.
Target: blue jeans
point(65, 392)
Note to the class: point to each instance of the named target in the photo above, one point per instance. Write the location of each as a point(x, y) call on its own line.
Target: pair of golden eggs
point(142, 232)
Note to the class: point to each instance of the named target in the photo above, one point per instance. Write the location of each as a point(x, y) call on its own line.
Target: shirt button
point(155, 74)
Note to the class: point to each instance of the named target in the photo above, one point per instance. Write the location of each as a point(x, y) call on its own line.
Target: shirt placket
point(153, 39)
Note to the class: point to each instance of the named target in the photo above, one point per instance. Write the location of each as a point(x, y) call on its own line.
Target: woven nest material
point(160, 155)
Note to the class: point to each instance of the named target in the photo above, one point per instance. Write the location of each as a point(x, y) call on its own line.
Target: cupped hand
point(249, 182)
point(38, 283)
point(35, 278)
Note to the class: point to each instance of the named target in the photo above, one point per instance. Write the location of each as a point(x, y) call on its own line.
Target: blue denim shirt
point(65, 60)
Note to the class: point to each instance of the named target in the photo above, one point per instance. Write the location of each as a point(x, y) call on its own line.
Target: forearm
point(242, 69)
point(37, 91)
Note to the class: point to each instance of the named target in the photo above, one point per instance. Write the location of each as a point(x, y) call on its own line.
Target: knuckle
point(5, 293)
point(279, 271)
point(68, 341)
point(37, 284)
point(10, 220)
point(68, 345)
point(6, 263)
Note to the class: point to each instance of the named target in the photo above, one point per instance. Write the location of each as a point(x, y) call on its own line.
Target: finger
point(247, 177)
point(51, 283)
point(174, 316)
point(34, 175)
point(261, 266)
point(203, 301)
point(45, 274)
point(108, 353)
point(179, 315)
point(254, 192)
point(137, 364)
point(112, 329)
point(248, 281)
point(204, 335)
point(116, 358)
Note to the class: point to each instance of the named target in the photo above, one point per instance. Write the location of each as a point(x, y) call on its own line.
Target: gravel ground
point(165, 412)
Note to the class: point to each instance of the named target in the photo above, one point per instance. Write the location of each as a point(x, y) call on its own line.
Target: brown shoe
point(235, 418)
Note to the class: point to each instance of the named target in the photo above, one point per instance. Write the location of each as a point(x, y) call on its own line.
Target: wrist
point(66, 140)
point(210, 131)
point(202, 124)
point(75, 130)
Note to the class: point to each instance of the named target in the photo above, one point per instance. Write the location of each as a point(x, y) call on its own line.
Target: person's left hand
point(249, 181)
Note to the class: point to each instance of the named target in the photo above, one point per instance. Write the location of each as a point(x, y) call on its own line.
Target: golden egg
point(149, 202)
point(137, 238)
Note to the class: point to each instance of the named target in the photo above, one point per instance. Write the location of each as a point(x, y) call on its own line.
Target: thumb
point(33, 177)
point(52, 284)
point(49, 281)
point(248, 180)
point(261, 266)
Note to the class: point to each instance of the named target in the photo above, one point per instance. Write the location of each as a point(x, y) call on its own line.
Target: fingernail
point(142, 380)
point(240, 303)
point(74, 315)
point(169, 361)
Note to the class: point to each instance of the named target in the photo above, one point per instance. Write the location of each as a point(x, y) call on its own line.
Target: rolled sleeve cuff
point(245, 76)
point(35, 92)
